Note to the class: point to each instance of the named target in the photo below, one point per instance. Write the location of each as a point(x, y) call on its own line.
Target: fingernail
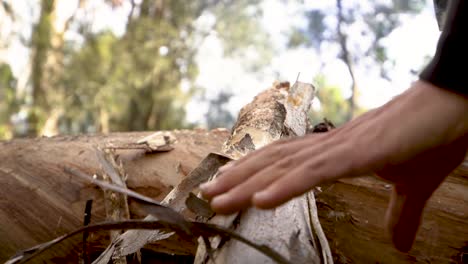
point(260, 196)
point(205, 186)
point(219, 201)
point(226, 167)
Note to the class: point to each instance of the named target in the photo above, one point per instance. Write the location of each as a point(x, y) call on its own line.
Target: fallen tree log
point(278, 112)
point(39, 202)
point(351, 211)
point(352, 214)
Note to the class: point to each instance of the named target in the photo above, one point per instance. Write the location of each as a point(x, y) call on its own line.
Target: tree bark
point(47, 66)
point(352, 214)
point(347, 58)
point(278, 112)
point(39, 202)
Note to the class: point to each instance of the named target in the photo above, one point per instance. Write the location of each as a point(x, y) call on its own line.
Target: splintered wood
point(41, 202)
point(278, 112)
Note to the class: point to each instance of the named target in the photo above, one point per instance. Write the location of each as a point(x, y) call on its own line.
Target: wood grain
point(39, 202)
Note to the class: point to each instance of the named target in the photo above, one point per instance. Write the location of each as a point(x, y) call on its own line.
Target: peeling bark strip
point(166, 217)
point(133, 240)
point(276, 113)
point(116, 203)
point(41, 202)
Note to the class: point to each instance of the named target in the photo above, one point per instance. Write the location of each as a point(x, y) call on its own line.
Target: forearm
point(422, 118)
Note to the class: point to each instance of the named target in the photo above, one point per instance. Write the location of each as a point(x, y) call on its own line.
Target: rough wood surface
point(116, 204)
point(275, 113)
point(39, 202)
point(133, 240)
point(352, 214)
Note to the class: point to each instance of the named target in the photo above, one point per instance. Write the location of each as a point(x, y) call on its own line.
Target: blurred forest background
point(128, 65)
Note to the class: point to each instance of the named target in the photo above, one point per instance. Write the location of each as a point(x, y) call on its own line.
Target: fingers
point(240, 171)
point(285, 189)
point(248, 166)
point(281, 171)
point(283, 180)
point(322, 168)
point(240, 196)
point(403, 217)
point(416, 180)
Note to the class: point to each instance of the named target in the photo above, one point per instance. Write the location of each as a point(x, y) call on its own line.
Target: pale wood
point(39, 202)
point(116, 203)
point(352, 214)
point(276, 113)
point(133, 240)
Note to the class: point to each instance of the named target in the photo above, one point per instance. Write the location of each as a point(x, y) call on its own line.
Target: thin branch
point(200, 229)
point(347, 58)
point(86, 221)
point(327, 256)
point(112, 187)
point(130, 14)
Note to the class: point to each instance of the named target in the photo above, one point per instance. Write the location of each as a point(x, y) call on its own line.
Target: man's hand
point(414, 182)
point(415, 141)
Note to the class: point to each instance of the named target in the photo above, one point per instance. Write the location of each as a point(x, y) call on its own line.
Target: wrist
point(422, 118)
point(446, 109)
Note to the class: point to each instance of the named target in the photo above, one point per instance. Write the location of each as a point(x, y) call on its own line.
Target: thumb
point(416, 183)
point(404, 216)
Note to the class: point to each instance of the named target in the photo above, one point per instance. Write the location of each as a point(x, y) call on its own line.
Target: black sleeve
point(448, 69)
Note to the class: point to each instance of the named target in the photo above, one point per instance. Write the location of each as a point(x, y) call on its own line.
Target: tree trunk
point(104, 121)
point(352, 214)
point(278, 112)
point(41, 41)
point(39, 202)
point(347, 58)
point(47, 65)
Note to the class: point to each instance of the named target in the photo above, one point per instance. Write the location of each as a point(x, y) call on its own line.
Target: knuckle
point(284, 163)
point(279, 151)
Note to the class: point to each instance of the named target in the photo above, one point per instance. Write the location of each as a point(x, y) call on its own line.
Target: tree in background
point(141, 80)
point(6, 17)
point(217, 115)
point(135, 82)
point(355, 21)
point(9, 103)
point(332, 104)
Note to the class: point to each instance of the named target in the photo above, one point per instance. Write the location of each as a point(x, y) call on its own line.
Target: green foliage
point(134, 82)
point(41, 39)
point(239, 28)
point(333, 105)
point(86, 80)
point(410, 6)
point(313, 35)
point(372, 24)
point(379, 21)
point(8, 102)
point(217, 115)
